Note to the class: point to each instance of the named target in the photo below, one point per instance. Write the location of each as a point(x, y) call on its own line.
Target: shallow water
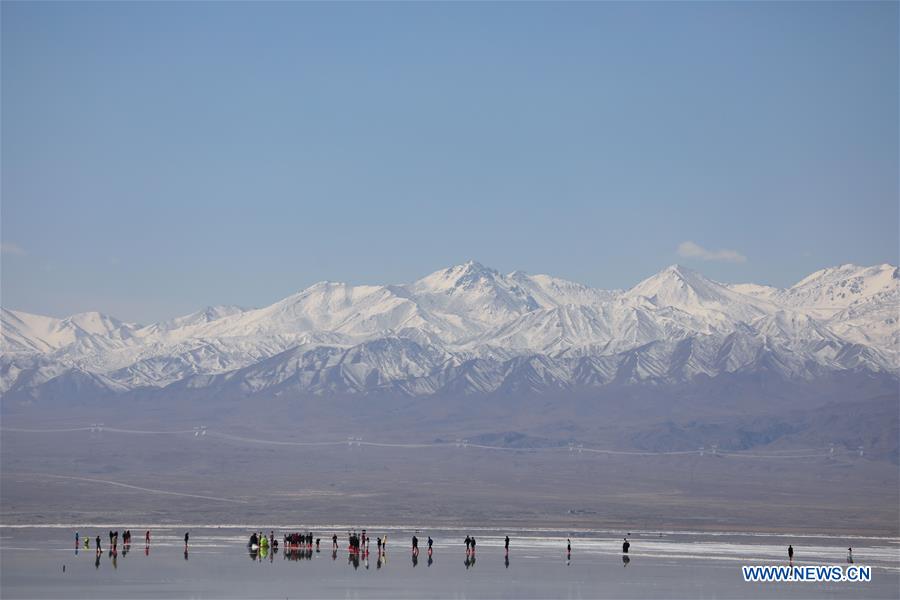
point(218, 565)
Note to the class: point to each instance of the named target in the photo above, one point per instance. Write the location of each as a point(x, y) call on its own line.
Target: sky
point(161, 157)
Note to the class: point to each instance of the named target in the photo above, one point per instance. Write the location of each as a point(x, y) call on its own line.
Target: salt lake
point(42, 562)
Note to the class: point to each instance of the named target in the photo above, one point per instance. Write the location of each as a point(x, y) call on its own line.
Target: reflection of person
point(625, 560)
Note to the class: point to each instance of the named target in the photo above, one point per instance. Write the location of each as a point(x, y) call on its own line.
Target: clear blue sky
point(159, 157)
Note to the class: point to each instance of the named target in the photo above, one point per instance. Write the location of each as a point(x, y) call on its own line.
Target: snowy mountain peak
point(678, 270)
point(863, 279)
point(206, 315)
point(833, 289)
point(676, 285)
point(689, 291)
point(94, 322)
point(465, 276)
point(470, 328)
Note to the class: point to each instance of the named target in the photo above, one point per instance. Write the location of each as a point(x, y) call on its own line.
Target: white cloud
point(691, 249)
point(11, 248)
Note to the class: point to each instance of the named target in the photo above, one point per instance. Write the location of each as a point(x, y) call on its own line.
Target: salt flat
point(219, 565)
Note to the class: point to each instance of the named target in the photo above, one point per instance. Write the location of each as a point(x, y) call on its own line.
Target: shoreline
point(564, 532)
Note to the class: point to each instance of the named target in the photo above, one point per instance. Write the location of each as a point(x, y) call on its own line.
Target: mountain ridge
point(473, 329)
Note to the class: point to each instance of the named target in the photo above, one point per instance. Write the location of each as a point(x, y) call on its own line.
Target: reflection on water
point(39, 563)
point(292, 553)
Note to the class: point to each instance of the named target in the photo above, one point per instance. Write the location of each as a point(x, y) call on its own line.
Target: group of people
point(356, 543)
point(85, 543)
point(259, 540)
point(415, 545)
point(301, 540)
point(360, 542)
point(113, 540)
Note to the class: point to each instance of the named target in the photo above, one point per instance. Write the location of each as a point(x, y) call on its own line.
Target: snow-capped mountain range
point(470, 329)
